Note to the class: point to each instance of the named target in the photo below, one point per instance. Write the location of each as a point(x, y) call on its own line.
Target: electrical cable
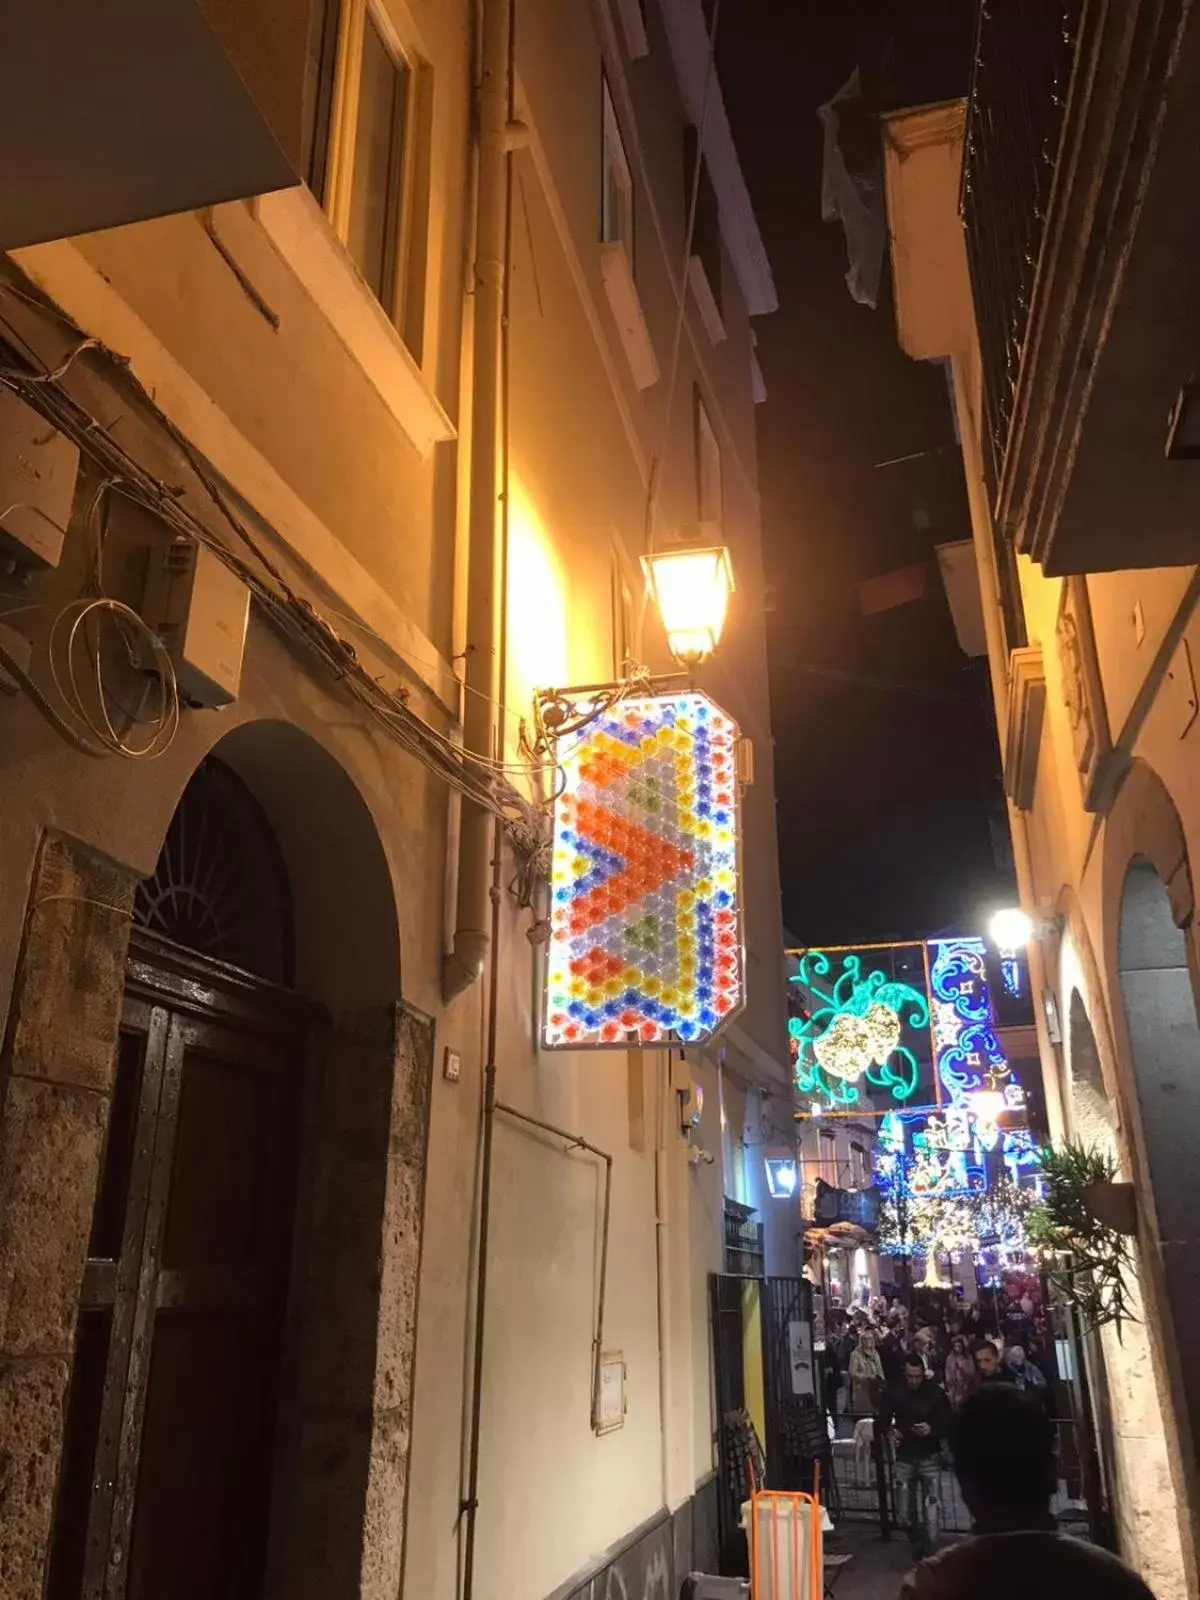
point(137, 638)
point(47, 709)
point(480, 779)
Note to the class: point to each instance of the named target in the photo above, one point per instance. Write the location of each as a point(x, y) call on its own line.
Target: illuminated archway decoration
point(852, 1027)
point(969, 1057)
point(645, 941)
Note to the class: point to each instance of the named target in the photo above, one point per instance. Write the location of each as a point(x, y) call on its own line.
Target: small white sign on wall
point(800, 1352)
point(610, 1407)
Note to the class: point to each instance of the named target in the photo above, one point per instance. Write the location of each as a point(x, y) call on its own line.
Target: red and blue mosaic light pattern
point(645, 924)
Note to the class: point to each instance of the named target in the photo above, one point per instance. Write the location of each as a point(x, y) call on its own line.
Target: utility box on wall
point(200, 610)
point(38, 469)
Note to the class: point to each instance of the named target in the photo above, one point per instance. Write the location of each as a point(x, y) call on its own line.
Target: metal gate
point(770, 1388)
point(865, 1487)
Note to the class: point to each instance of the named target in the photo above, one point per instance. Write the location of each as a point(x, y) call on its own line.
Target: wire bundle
point(481, 781)
point(145, 654)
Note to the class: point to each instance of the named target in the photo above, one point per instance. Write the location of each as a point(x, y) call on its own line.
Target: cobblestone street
point(876, 1566)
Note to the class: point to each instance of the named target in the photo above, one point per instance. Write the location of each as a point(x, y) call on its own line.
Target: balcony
point(1082, 239)
point(744, 1249)
point(117, 113)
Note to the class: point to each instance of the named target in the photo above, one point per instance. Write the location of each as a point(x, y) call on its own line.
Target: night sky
point(888, 778)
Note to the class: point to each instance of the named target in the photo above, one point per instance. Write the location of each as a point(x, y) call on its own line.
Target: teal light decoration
point(851, 1030)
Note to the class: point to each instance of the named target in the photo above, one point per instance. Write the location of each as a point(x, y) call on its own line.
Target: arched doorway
point(167, 1469)
point(1164, 1037)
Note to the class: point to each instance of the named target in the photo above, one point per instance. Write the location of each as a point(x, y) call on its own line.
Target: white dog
point(864, 1440)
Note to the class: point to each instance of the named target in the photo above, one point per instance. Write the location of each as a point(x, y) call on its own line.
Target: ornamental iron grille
point(220, 888)
point(645, 941)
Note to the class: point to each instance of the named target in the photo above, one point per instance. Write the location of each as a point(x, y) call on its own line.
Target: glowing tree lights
point(934, 1203)
point(645, 924)
point(856, 1027)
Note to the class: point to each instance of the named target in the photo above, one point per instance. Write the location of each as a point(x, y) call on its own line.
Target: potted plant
point(1084, 1220)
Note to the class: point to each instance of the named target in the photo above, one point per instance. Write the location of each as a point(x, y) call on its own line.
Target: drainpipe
point(482, 731)
point(481, 849)
point(663, 1207)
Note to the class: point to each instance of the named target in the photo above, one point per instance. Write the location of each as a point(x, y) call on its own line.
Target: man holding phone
point(918, 1415)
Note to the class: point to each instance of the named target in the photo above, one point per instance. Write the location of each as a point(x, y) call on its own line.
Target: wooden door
point(165, 1486)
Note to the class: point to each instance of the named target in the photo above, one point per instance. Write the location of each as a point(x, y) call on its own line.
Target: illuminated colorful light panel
point(645, 939)
point(858, 1027)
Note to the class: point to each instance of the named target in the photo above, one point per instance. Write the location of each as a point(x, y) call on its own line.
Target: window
point(709, 506)
point(860, 1166)
point(829, 1163)
point(364, 169)
point(706, 230)
point(373, 216)
point(616, 181)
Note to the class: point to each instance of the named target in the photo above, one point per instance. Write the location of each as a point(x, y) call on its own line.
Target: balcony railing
point(744, 1254)
point(1024, 53)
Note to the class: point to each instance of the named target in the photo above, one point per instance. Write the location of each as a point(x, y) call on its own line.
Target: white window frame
point(343, 130)
point(613, 154)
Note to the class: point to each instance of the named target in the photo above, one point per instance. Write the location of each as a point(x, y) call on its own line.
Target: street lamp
point(691, 587)
point(1011, 929)
point(783, 1177)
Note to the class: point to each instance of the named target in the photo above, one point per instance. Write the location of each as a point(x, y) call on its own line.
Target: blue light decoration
point(645, 941)
point(941, 1196)
point(1021, 1152)
point(859, 1025)
point(1011, 973)
point(969, 1057)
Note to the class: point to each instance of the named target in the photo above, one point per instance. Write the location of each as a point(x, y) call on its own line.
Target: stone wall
point(54, 1094)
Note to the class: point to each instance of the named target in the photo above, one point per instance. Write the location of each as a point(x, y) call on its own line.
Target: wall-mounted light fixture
point(691, 1108)
point(691, 587)
point(783, 1177)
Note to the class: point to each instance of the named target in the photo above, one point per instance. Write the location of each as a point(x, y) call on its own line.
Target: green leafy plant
point(1094, 1260)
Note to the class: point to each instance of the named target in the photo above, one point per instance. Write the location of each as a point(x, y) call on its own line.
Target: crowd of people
point(911, 1373)
point(866, 1351)
point(964, 1387)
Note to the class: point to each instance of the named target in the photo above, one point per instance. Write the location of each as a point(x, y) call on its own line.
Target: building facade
point(421, 413)
point(1033, 243)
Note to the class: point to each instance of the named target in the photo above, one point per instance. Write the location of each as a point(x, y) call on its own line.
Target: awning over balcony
point(118, 110)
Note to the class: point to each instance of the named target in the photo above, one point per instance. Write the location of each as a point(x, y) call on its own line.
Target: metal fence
point(862, 1484)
